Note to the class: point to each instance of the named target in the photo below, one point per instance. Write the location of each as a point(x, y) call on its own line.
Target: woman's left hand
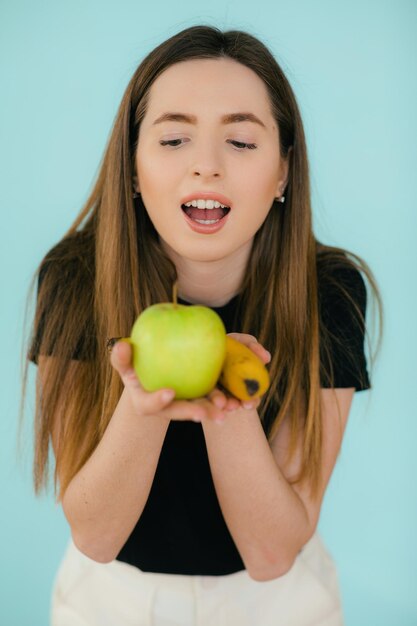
point(230, 403)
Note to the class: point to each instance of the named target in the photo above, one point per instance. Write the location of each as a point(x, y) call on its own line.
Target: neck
point(210, 283)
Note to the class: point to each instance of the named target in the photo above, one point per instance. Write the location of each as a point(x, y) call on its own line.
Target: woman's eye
point(170, 142)
point(241, 144)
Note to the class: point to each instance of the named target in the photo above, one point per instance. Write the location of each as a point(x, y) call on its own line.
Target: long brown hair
point(109, 266)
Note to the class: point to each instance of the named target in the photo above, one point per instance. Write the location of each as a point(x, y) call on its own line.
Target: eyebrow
point(230, 118)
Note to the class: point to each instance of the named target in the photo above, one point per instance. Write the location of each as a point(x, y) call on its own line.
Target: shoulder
point(342, 300)
point(65, 282)
point(69, 262)
point(63, 322)
point(341, 287)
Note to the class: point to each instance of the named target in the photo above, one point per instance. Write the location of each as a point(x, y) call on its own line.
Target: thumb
point(150, 402)
point(121, 356)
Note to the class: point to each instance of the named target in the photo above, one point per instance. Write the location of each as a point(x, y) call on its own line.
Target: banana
point(243, 373)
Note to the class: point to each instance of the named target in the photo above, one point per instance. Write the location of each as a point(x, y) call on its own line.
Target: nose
point(207, 161)
point(199, 173)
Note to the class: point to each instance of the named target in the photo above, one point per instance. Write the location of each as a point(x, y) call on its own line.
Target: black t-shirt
point(182, 529)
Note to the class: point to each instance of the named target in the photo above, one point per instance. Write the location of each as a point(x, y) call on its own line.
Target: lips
point(193, 214)
point(208, 195)
point(207, 214)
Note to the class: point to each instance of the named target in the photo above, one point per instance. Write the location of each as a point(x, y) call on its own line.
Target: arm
point(106, 497)
point(269, 519)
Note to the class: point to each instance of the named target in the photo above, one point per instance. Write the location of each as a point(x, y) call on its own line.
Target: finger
point(218, 398)
point(183, 410)
point(251, 342)
point(121, 356)
point(243, 337)
point(155, 402)
point(232, 404)
point(251, 404)
point(121, 360)
point(260, 351)
point(212, 412)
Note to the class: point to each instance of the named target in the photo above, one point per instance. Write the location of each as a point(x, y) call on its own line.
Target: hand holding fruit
point(213, 407)
point(154, 403)
point(185, 348)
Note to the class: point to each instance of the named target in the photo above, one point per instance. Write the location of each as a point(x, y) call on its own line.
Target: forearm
point(265, 516)
point(105, 499)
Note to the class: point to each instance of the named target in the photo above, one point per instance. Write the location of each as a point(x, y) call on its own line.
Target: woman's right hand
point(156, 402)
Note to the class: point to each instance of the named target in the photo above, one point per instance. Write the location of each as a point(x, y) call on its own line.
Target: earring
point(280, 199)
point(135, 194)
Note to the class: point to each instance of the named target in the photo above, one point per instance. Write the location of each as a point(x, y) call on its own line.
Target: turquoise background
point(63, 69)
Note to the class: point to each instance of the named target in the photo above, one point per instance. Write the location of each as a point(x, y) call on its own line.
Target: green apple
point(179, 346)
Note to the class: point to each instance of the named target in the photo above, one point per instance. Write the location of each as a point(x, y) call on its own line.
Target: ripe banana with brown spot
point(243, 373)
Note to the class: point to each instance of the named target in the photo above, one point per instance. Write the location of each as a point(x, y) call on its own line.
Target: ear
point(135, 183)
point(283, 177)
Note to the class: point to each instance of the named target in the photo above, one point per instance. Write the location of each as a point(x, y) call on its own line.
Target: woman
point(176, 518)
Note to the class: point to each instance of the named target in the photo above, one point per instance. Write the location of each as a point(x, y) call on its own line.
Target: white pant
point(87, 593)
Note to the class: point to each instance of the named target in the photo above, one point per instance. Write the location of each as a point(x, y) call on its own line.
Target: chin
point(200, 255)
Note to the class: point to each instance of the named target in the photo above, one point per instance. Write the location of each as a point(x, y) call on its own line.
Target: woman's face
point(192, 145)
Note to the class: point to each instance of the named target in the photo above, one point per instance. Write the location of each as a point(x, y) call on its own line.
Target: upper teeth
point(205, 204)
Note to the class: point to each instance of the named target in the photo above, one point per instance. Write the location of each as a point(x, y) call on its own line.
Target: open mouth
point(205, 216)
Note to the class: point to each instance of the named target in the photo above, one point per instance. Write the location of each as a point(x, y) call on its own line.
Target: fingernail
point(167, 395)
point(247, 405)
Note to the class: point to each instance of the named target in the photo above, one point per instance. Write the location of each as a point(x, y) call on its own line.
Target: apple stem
point(174, 292)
